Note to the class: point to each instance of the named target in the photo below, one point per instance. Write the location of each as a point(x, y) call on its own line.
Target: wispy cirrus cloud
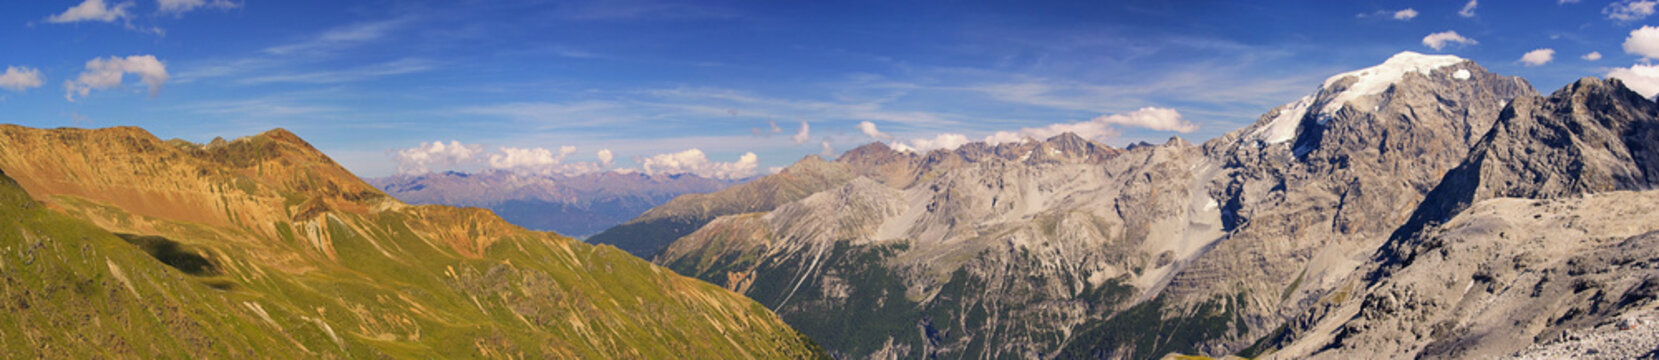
point(390, 68)
point(178, 7)
point(342, 37)
point(1628, 11)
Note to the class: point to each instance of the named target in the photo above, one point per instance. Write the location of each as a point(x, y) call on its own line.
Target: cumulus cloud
point(542, 161)
point(826, 150)
point(1592, 56)
point(694, 162)
point(1087, 129)
point(869, 128)
point(1643, 79)
point(1406, 14)
point(1099, 128)
point(606, 159)
point(436, 154)
point(1538, 57)
point(1630, 10)
point(19, 78)
point(947, 141)
point(524, 158)
point(454, 155)
point(1403, 15)
point(183, 6)
point(1644, 42)
point(1163, 119)
point(92, 10)
point(104, 73)
point(1439, 40)
point(1468, 9)
point(801, 137)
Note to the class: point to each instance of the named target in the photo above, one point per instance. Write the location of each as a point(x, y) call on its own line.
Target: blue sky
point(545, 85)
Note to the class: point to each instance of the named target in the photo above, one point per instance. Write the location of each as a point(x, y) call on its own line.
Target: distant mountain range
point(1424, 207)
point(578, 206)
point(116, 244)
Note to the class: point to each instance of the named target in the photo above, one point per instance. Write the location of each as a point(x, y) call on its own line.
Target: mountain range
point(574, 205)
point(1424, 207)
point(1421, 208)
point(119, 244)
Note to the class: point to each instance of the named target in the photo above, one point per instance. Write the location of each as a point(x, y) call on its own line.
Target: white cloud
point(606, 159)
point(1538, 57)
point(947, 141)
point(826, 150)
point(801, 137)
point(1592, 56)
point(869, 128)
point(696, 163)
point(1644, 42)
point(542, 161)
point(1630, 10)
point(511, 157)
point(1163, 119)
point(424, 158)
point(92, 10)
point(1406, 14)
point(1439, 40)
point(19, 78)
point(183, 6)
point(104, 73)
point(1087, 129)
point(1100, 127)
point(1644, 79)
point(438, 156)
point(1468, 9)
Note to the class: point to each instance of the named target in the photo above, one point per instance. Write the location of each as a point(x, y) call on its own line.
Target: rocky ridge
point(1225, 247)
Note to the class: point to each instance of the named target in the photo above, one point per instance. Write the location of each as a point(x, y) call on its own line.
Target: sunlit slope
point(273, 245)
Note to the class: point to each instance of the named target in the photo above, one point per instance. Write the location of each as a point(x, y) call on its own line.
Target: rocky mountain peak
point(1592, 135)
point(1378, 92)
point(874, 154)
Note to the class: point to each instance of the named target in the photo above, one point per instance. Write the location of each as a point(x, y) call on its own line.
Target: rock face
point(1065, 248)
point(578, 206)
point(1304, 211)
point(994, 251)
point(119, 244)
point(1527, 239)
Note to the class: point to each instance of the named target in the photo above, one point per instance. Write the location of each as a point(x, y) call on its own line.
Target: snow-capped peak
point(1367, 82)
point(1376, 79)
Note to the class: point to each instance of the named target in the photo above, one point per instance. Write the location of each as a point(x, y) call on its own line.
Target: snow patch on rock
point(1283, 126)
point(1376, 79)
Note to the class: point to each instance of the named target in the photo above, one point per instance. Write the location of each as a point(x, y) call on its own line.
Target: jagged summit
point(1374, 93)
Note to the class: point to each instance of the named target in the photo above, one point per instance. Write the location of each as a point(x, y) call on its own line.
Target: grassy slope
point(338, 271)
